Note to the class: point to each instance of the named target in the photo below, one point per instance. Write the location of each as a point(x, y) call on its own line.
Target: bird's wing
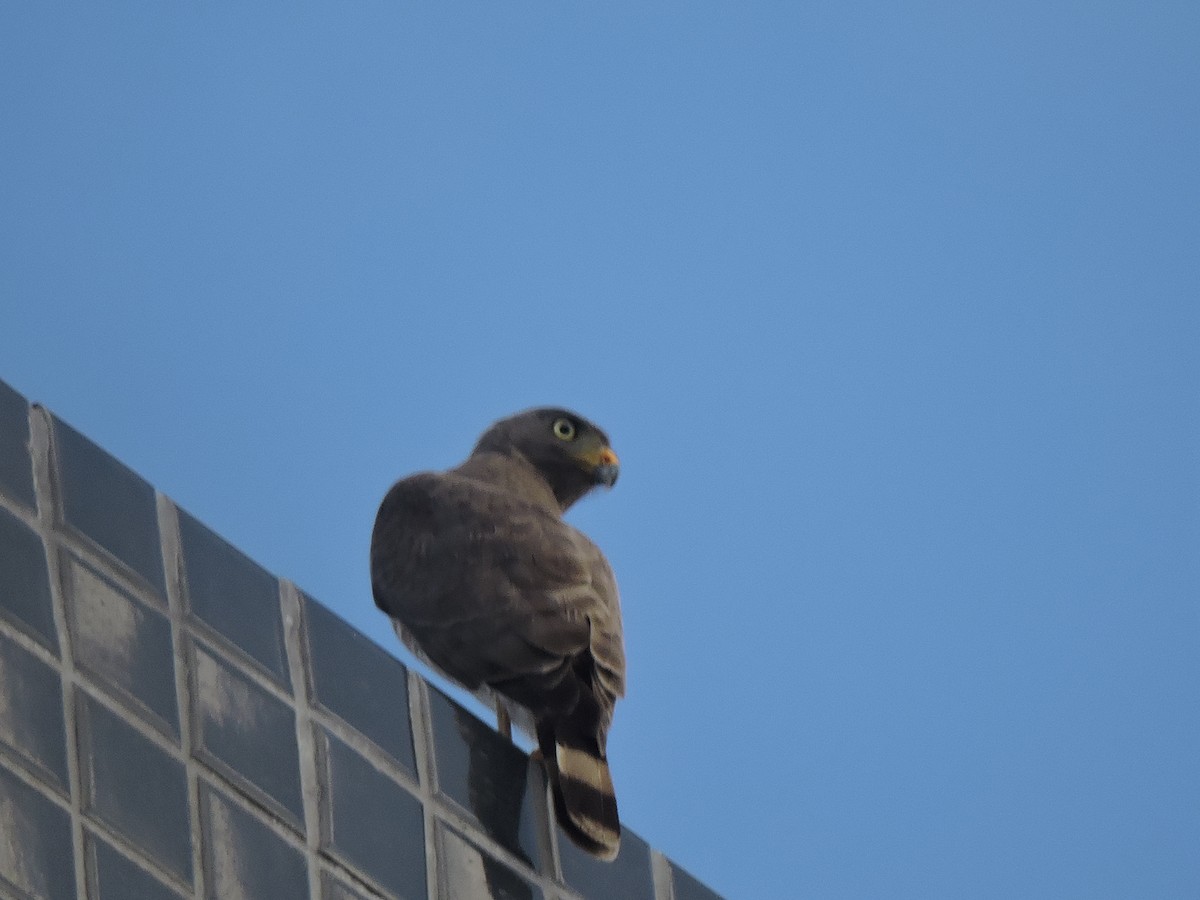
point(607, 637)
point(497, 591)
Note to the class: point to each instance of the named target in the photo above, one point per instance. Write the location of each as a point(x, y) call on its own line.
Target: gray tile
point(114, 876)
point(243, 858)
point(109, 503)
point(246, 732)
point(134, 786)
point(123, 643)
point(359, 682)
point(234, 595)
point(16, 473)
point(686, 887)
point(628, 876)
point(31, 711)
point(371, 822)
point(25, 581)
point(36, 850)
point(467, 873)
point(487, 776)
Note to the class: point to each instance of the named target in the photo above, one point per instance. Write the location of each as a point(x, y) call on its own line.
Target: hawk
point(484, 581)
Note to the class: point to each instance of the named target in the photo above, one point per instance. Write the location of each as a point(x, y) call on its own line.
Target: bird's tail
point(584, 800)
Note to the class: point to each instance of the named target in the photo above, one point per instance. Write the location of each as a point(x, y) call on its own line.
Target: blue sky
point(891, 311)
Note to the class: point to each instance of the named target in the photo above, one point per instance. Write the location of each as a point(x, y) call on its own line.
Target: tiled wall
point(177, 722)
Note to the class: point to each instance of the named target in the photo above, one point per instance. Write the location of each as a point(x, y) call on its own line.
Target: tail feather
point(584, 800)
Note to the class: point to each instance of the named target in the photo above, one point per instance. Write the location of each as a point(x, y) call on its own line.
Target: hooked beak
point(607, 467)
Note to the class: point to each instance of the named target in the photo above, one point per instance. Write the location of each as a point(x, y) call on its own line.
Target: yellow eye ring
point(564, 429)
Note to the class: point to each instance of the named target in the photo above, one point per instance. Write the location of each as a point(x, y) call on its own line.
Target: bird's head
point(571, 453)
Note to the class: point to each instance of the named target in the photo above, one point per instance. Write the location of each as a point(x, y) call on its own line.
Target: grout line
point(41, 451)
point(31, 645)
point(284, 830)
point(548, 838)
point(294, 632)
point(18, 768)
point(421, 725)
point(379, 758)
point(19, 510)
point(543, 818)
point(168, 529)
point(88, 553)
point(201, 634)
point(546, 812)
point(664, 883)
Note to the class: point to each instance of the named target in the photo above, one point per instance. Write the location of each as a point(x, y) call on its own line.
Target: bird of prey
point(484, 581)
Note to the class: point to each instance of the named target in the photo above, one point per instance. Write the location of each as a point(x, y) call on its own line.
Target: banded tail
point(584, 800)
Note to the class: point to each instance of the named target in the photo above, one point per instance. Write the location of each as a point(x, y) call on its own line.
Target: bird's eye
point(564, 429)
